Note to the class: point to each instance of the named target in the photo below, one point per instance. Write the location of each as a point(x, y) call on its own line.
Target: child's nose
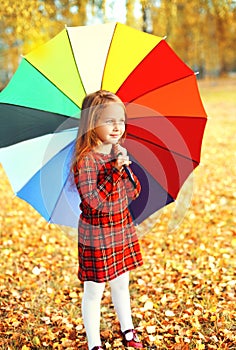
point(115, 125)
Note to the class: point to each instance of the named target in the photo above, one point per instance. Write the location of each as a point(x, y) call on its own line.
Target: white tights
point(91, 306)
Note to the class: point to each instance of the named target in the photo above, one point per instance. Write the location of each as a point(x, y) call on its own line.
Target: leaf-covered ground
point(183, 297)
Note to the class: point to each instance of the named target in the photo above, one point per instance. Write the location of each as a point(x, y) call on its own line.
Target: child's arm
point(95, 185)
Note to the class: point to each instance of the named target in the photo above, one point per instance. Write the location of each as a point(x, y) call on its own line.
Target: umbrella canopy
point(40, 110)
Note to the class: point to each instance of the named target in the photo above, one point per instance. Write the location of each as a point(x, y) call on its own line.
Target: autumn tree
point(201, 32)
point(130, 18)
point(146, 15)
point(25, 24)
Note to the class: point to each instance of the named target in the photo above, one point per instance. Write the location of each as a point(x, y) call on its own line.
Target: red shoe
point(134, 342)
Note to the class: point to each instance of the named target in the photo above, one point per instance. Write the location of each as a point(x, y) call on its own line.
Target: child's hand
point(121, 157)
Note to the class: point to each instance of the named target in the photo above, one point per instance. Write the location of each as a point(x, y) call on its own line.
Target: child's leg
point(121, 300)
point(91, 311)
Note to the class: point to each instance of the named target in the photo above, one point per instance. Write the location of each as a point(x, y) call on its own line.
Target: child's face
point(110, 125)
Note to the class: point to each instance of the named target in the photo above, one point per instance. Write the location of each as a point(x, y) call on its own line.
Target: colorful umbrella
point(40, 109)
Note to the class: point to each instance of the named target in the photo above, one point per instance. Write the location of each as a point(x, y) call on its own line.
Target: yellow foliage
point(202, 33)
point(183, 297)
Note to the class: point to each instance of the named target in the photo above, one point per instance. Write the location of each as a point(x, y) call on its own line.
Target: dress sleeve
point(95, 183)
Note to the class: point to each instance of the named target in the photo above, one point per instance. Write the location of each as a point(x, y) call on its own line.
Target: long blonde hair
point(92, 107)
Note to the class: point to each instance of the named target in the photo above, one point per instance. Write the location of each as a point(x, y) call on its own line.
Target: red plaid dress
point(108, 244)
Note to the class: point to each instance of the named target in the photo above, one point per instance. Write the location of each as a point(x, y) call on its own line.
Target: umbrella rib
point(40, 110)
point(66, 179)
point(77, 68)
point(172, 116)
point(159, 87)
point(54, 207)
point(162, 147)
point(53, 83)
point(108, 55)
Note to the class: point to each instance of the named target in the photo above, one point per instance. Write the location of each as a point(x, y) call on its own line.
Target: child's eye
point(109, 121)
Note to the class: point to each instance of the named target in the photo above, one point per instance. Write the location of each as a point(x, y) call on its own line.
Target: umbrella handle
point(128, 172)
point(130, 176)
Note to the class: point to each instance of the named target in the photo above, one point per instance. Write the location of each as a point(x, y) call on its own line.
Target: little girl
point(108, 245)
